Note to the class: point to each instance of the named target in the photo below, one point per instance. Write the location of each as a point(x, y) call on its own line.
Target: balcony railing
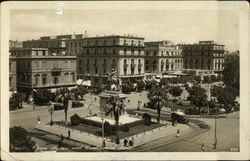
point(125, 65)
point(56, 69)
point(133, 65)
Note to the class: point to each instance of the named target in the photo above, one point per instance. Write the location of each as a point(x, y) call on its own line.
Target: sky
point(177, 25)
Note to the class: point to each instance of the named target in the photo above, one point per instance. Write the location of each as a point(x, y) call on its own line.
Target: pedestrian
point(125, 142)
point(178, 133)
point(95, 98)
point(103, 143)
point(138, 108)
point(61, 137)
point(38, 119)
point(128, 100)
point(130, 143)
point(133, 141)
point(69, 134)
point(202, 147)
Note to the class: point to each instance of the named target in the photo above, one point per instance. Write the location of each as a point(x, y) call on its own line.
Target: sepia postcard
point(125, 80)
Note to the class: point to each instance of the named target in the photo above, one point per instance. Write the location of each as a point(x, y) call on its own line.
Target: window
point(37, 65)
point(37, 79)
point(44, 79)
point(139, 61)
point(132, 51)
point(139, 51)
point(114, 51)
point(155, 52)
point(132, 61)
point(43, 53)
point(96, 42)
point(87, 52)
point(132, 42)
point(125, 42)
point(114, 41)
point(125, 50)
point(105, 42)
point(105, 51)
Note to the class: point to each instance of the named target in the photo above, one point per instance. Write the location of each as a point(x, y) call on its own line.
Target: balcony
point(95, 64)
point(132, 66)
point(139, 66)
point(125, 65)
point(55, 69)
point(104, 65)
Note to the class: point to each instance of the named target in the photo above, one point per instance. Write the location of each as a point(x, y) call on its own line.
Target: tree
point(231, 73)
point(206, 79)
point(197, 79)
point(20, 141)
point(175, 91)
point(225, 96)
point(42, 96)
point(140, 85)
point(213, 78)
point(197, 96)
point(79, 91)
point(158, 98)
point(16, 100)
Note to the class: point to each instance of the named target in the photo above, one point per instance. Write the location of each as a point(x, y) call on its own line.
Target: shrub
point(147, 119)
point(20, 141)
point(125, 128)
point(75, 120)
point(76, 104)
point(15, 101)
point(42, 97)
point(107, 128)
point(58, 107)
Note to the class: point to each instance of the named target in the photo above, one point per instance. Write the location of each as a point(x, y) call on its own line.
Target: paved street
point(228, 138)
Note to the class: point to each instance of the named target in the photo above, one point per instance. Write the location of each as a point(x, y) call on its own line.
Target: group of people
point(129, 142)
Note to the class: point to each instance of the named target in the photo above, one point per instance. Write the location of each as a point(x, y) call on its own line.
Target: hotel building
point(162, 57)
point(100, 55)
point(206, 56)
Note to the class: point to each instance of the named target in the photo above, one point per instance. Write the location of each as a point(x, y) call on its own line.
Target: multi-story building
point(36, 68)
point(162, 57)
point(100, 55)
point(57, 45)
point(12, 73)
point(206, 55)
point(15, 44)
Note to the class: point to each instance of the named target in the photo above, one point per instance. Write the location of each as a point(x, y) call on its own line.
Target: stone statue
point(113, 81)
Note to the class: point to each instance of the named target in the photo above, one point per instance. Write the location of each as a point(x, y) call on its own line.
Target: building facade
point(15, 44)
point(12, 73)
point(206, 55)
point(57, 45)
point(100, 55)
point(162, 57)
point(36, 68)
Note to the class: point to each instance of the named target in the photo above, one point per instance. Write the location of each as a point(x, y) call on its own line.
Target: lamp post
point(103, 144)
point(51, 111)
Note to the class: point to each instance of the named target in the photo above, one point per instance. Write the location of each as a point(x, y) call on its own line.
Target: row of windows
point(203, 54)
point(168, 53)
point(111, 51)
point(162, 61)
point(205, 47)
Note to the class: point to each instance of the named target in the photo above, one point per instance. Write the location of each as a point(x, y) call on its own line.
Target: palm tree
point(158, 98)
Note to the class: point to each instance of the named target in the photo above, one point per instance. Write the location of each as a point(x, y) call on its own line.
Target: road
point(228, 138)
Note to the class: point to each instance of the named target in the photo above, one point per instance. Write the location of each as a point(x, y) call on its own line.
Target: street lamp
point(51, 111)
point(103, 144)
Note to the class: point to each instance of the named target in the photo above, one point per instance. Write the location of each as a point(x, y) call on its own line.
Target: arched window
point(44, 79)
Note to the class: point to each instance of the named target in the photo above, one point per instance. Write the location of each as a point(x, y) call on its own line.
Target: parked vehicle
point(179, 117)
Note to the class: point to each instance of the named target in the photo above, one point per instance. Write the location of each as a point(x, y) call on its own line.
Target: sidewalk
point(139, 139)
